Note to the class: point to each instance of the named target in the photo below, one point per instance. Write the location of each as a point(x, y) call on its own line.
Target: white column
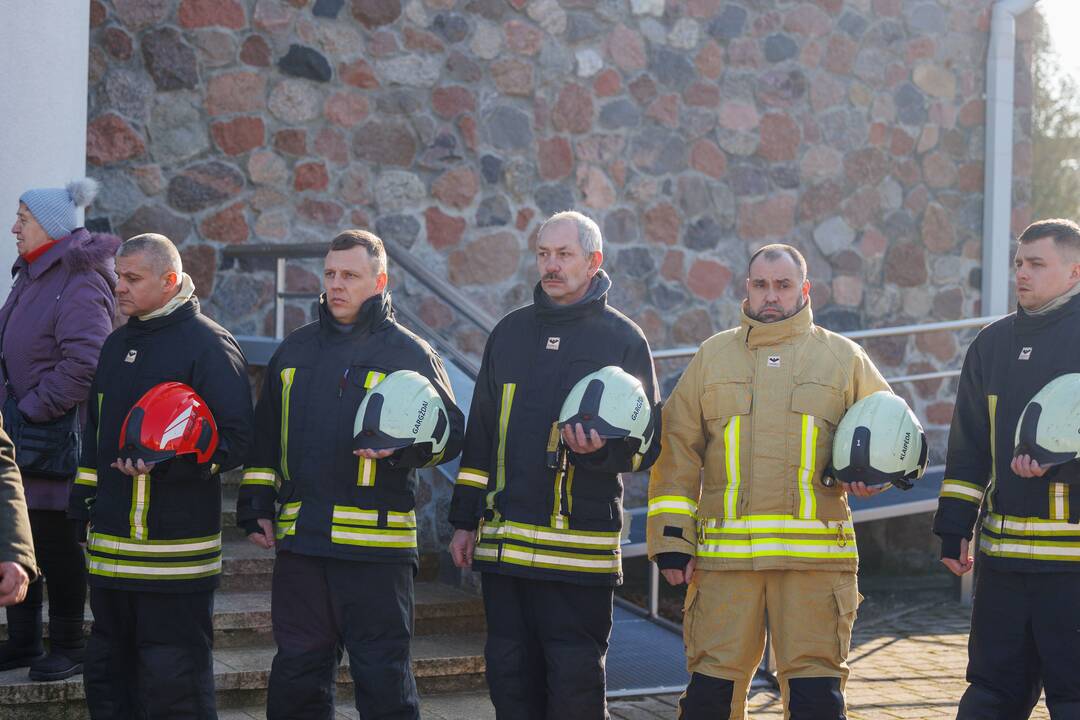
point(44, 55)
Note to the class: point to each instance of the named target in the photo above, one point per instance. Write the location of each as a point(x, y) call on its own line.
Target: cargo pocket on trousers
point(847, 605)
point(688, 615)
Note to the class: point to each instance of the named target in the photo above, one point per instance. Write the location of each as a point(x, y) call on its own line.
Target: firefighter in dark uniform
point(343, 524)
point(547, 540)
point(1025, 626)
point(154, 545)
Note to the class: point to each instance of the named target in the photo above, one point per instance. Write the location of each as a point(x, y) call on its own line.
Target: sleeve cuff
point(465, 525)
point(672, 560)
point(950, 546)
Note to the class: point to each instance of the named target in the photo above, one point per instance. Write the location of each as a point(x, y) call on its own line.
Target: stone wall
point(692, 130)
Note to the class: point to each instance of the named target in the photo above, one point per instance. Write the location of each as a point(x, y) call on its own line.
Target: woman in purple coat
point(52, 326)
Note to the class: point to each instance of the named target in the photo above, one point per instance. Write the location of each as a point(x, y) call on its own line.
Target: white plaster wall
point(44, 50)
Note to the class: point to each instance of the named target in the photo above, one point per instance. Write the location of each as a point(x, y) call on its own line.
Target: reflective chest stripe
point(731, 465)
point(505, 405)
point(287, 377)
point(86, 476)
point(1059, 501)
point(140, 506)
point(360, 527)
point(1030, 538)
point(179, 559)
point(759, 536)
point(260, 476)
point(549, 548)
point(807, 460)
point(960, 490)
point(365, 474)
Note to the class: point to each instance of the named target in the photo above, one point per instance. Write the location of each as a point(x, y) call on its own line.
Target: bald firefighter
point(737, 507)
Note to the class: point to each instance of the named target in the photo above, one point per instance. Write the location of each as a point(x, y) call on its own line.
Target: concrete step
point(442, 664)
point(242, 618)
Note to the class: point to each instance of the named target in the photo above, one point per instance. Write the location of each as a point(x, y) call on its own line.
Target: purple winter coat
point(58, 314)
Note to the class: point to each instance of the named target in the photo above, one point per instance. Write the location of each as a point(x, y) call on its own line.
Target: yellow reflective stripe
point(472, 477)
point(115, 545)
point(772, 524)
point(490, 554)
point(372, 537)
point(290, 511)
point(1029, 526)
point(991, 405)
point(287, 377)
point(106, 567)
point(259, 476)
point(673, 505)
point(570, 490)
point(961, 490)
point(808, 458)
point(731, 464)
point(286, 520)
point(348, 514)
point(505, 405)
point(1030, 549)
point(365, 474)
point(558, 537)
point(86, 476)
point(1059, 501)
point(140, 506)
point(557, 517)
point(551, 560)
point(776, 547)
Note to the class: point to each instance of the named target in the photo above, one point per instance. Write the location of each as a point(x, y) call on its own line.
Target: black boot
point(67, 646)
point(23, 645)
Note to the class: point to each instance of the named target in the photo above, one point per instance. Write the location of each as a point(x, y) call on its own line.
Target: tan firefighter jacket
point(747, 434)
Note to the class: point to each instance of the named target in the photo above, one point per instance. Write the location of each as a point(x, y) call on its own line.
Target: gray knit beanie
point(55, 208)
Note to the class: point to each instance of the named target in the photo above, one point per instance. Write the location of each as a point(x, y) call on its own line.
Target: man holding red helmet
point(170, 408)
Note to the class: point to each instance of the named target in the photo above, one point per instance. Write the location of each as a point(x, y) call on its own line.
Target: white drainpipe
point(44, 53)
point(997, 196)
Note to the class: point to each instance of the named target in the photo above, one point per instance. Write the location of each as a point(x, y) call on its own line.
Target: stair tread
point(239, 609)
point(248, 668)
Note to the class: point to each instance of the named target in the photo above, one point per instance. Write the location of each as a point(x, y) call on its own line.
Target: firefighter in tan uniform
point(758, 532)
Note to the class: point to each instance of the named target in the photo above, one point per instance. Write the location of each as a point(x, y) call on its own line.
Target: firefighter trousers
point(320, 607)
point(1025, 638)
point(809, 614)
point(546, 647)
point(150, 656)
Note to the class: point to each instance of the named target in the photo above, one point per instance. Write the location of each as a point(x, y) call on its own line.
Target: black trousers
point(150, 656)
point(1025, 637)
point(61, 559)
point(546, 647)
point(322, 606)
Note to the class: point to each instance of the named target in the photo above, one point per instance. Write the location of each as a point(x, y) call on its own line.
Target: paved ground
point(907, 665)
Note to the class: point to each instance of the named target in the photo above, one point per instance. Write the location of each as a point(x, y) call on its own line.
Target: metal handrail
point(408, 262)
point(915, 329)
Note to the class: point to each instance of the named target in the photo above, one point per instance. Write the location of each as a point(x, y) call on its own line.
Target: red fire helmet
point(169, 420)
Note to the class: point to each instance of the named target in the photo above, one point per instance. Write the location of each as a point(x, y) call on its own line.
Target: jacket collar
point(186, 311)
point(762, 334)
point(595, 300)
point(375, 313)
point(1026, 323)
point(52, 256)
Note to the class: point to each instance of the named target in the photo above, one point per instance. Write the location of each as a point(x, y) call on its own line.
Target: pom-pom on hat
point(55, 208)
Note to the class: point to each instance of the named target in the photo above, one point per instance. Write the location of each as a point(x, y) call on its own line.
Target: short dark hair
point(774, 251)
point(366, 239)
point(1066, 233)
